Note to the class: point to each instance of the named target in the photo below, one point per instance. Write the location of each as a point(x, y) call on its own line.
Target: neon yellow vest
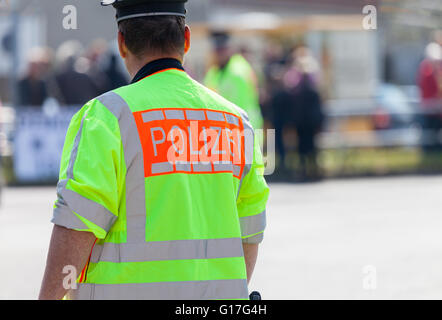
point(170, 222)
point(237, 83)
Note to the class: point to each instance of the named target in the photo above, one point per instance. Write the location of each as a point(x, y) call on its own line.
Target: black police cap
point(128, 9)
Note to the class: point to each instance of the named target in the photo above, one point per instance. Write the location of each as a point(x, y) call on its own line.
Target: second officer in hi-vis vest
point(161, 192)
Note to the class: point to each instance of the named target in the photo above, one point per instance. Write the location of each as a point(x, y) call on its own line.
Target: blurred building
point(405, 26)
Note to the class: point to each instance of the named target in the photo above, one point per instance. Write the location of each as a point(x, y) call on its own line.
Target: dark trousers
point(307, 152)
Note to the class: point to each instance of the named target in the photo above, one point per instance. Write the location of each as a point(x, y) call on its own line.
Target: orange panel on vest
point(193, 141)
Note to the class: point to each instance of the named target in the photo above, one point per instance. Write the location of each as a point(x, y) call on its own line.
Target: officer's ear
point(122, 45)
point(186, 39)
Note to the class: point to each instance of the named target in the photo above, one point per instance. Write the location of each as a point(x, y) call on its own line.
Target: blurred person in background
point(116, 77)
point(302, 82)
point(430, 84)
point(277, 101)
point(282, 107)
point(75, 87)
point(32, 88)
point(274, 62)
point(95, 70)
point(233, 78)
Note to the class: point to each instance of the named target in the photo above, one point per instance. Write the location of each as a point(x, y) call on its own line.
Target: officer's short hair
point(154, 35)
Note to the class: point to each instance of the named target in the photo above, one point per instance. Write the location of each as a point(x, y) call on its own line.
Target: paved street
point(320, 240)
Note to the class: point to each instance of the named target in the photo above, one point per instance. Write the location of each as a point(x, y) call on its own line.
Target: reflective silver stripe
point(133, 155)
point(232, 119)
point(70, 201)
point(64, 217)
point(256, 239)
point(162, 167)
point(222, 166)
point(215, 116)
point(183, 166)
point(88, 209)
point(169, 250)
point(236, 170)
point(180, 290)
point(249, 145)
point(253, 224)
point(202, 167)
point(195, 115)
point(174, 114)
point(153, 115)
point(70, 169)
point(138, 15)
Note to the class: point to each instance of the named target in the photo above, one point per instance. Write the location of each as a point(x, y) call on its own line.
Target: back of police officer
point(161, 178)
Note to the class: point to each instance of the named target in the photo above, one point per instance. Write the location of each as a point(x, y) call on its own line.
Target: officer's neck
point(134, 64)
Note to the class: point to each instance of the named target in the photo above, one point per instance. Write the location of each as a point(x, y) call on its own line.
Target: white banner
point(38, 143)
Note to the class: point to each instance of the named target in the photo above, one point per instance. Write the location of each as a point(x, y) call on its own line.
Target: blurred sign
point(30, 33)
point(5, 38)
point(38, 143)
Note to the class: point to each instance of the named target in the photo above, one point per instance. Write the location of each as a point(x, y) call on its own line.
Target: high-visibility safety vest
point(165, 174)
point(237, 83)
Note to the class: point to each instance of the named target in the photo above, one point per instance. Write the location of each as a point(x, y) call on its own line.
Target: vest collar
point(157, 66)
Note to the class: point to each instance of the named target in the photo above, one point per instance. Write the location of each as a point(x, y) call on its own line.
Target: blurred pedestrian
point(95, 68)
point(32, 88)
point(234, 79)
point(116, 77)
point(75, 87)
point(308, 116)
point(282, 105)
point(430, 84)
point(274, 66)
point(278, 101)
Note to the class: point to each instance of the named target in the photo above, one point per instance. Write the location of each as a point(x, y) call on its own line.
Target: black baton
point(255, 295)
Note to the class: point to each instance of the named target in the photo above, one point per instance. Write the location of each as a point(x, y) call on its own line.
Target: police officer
point(161, 192)
point(233, 78)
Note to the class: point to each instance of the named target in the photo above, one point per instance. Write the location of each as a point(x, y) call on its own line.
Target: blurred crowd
point(72, 75)
point(282, 94)
point(281, 91)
